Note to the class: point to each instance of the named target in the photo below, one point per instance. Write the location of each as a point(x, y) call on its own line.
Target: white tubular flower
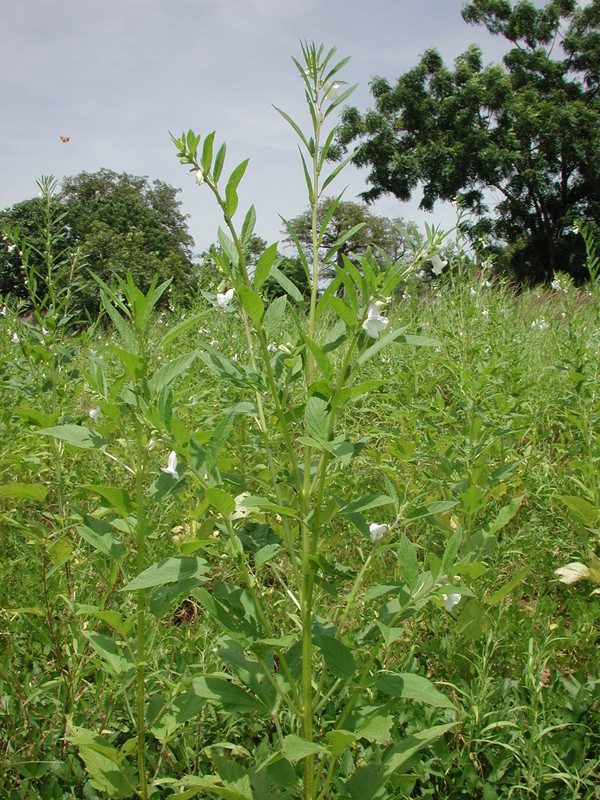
point(223, 299)
point(377, 531)
point(3, 311)
point(375, 322)
point(15, 338)
point(95, 414)
point(171, 468)
point(451, 600)
point(438, 264)
point(572, 573)
point(199, 177)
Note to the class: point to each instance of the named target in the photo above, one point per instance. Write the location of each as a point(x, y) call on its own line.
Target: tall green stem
point(141, 614)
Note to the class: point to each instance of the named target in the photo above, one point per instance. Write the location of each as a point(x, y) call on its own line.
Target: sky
point(115, 76)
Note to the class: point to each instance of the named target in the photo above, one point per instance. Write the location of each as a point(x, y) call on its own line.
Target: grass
point(505, 408)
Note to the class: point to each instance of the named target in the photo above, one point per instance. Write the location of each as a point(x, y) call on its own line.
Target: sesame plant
point(310, 651)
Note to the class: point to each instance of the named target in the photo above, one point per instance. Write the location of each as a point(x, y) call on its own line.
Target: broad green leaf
point(365, 503)
point(369, 782)
point(295, 748)
point(170, 570)
point(317, 416)
point(338, 658)
point(409, 565)
point(76, 435)
point(135, 366)
point(24, 491)
point(338, 741)
point(505, 515)
point(409, 686)
point(228, 245)
point(376, 729)
point(166, 374)
point(178, 711)
point(117, 660)
point(287, 285)
point(114, 496)
point(221, 500)
point(219, 437)
point(273, 318)
point(451, 552)
point(220, 689)
point(251, 303)
point(263, 265)
point(582, 510)
point(108, 769)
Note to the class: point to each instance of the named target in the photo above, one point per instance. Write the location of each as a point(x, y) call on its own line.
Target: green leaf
point(100, 534)
point(76, 435)
point(218, 438)
point(221, 500)
point(24, 491)
point(409, 686)
point(220, 689)
point(251, 303)
point(583, 511)
point(108, 770)
point(181, 328)
point(430, 509)
point(228, 246)
point(365, 503)
point(231, 198)
point(376, 729)
point(219, 160)
point(170, 570)
point(505, 515)
point(338, 658)
point(117, 661)
point(343, 310)
point(166, 374)
point(295, 748)
point(287, 285)
point(207, 151)
point(339, 741)
point(274, 315)
point(409, 566)
point(178, 711)
point(116, 497)
point(451, 552)
point(263, 265)
point(317, 416)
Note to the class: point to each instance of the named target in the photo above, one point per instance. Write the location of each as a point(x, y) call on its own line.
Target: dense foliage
point(116, 222)
point(524, 135)
point(349, 229)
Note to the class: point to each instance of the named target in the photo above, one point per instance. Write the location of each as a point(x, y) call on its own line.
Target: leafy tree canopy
point(528, 129)
point(375, 232)
point(119, 222)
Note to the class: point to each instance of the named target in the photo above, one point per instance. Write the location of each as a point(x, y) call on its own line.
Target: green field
point(498, 421)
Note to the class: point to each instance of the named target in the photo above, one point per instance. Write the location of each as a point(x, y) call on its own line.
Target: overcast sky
point(116, 75)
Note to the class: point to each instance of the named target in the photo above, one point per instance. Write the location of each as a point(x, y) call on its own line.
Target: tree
point(388, 234)
point(528, 129)
point(120, 223)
